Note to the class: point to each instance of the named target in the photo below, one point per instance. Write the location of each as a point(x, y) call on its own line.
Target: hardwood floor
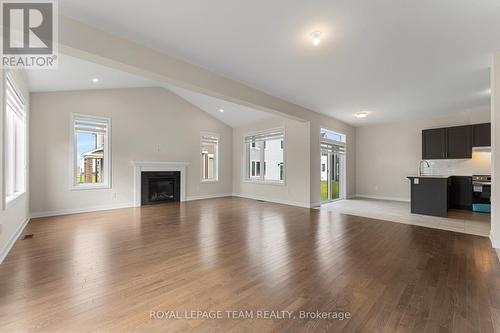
point(106, 271)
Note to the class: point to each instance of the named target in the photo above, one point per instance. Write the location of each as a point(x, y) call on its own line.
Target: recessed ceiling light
point(361, 115)
point(316, 38)
point(95, 80)
point(221, 110)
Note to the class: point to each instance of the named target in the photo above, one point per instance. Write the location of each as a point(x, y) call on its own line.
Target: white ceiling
point(394, 58)
point(234, 115)
point(77, 74)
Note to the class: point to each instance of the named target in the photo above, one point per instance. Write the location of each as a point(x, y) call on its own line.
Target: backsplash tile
point(479, 164)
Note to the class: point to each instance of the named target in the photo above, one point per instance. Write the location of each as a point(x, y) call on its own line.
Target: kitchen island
point(430, 195)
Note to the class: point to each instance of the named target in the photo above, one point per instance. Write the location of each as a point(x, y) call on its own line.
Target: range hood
point(481, 149)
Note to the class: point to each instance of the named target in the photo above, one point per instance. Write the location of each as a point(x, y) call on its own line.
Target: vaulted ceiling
point(393, 58)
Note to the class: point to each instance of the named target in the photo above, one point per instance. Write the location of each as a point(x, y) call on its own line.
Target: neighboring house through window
point(90, 155)
point(265, 156)
point(15, 142)
point(209, 157)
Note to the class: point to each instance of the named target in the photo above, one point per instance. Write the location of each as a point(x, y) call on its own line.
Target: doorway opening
point(332, 173)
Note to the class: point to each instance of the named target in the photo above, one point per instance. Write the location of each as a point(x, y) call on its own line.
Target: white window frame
point(247, 172)
point(106, 184)
point(216, 157)
point(8, 201)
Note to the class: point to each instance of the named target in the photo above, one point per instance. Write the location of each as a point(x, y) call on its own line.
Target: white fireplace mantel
point(140, 166)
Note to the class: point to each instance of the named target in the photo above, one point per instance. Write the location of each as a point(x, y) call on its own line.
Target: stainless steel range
point(481, 193)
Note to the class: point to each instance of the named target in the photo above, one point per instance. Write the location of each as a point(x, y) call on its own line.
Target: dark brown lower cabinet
point(461, 192)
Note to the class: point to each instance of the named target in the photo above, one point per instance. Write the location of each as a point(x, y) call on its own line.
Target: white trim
point(140, 166)
point(495, 245)
point(8, 202)
point(208, 196)
point(80, 210)
point(278, 201)
point(12, 240)
point(379, 197)
point(11, 201)
point(106, 184)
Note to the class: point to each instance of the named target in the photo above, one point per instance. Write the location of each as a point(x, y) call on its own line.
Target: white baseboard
point(208, 196)
point(6, 249)
point(81, 210)
point(279, 201)
point(379, 197)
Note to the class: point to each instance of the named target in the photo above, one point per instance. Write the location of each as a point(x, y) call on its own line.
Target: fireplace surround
point(141, 166)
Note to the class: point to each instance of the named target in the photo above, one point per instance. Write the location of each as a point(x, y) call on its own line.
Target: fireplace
point(160, 186)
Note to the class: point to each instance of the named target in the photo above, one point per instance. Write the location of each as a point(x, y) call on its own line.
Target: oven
point(481, 193)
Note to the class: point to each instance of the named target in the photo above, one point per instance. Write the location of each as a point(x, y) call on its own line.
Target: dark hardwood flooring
point(106, 271)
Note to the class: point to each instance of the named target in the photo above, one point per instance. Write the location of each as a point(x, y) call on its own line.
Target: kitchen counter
point(430, 195)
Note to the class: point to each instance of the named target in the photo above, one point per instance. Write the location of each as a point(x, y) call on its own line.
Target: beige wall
point(80, 40)
point(295, 191)
point(495, 145)
point(142, 119)
point(388, 153)
point(13, 218)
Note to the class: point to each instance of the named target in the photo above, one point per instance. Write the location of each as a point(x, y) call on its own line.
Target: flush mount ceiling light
point(361, 115)
point(316, 37)
point(95, 80)
point(221, 110)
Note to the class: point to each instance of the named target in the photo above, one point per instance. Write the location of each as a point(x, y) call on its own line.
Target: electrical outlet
point(376, 187)
point(115, 195)
point(1, 227)
point(158, 147)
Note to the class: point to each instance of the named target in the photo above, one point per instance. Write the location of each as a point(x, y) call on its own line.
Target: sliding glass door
point(332, 170)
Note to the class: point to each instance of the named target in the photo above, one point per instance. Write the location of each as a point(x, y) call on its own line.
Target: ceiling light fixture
point(361, 115)
point(316, 38)
point(221, 110)
point(95, 80)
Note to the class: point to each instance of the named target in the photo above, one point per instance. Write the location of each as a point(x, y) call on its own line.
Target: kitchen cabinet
point(459, 142)
point(429, 195)
point(461, 192)
point(454, 142)
point(481, 134)
point(434, 144)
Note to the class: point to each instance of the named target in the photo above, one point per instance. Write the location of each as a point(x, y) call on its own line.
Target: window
point(265, 150)
point(90, 155)
point(209, 158)
point(15, 142)
point(331, 136)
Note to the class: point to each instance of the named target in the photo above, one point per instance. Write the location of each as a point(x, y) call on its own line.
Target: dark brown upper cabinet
point(454, 142)
point(434, 144)
point(481, 135)
point(459, 142)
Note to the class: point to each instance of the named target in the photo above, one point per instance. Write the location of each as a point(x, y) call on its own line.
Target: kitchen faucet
point(420, 167)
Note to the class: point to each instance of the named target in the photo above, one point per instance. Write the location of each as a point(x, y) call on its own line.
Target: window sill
point(11, 200)
point(90, 187)
point(265, 182)
point(209, 181)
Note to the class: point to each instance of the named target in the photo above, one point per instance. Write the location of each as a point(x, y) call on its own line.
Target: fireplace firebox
point(160, 186)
